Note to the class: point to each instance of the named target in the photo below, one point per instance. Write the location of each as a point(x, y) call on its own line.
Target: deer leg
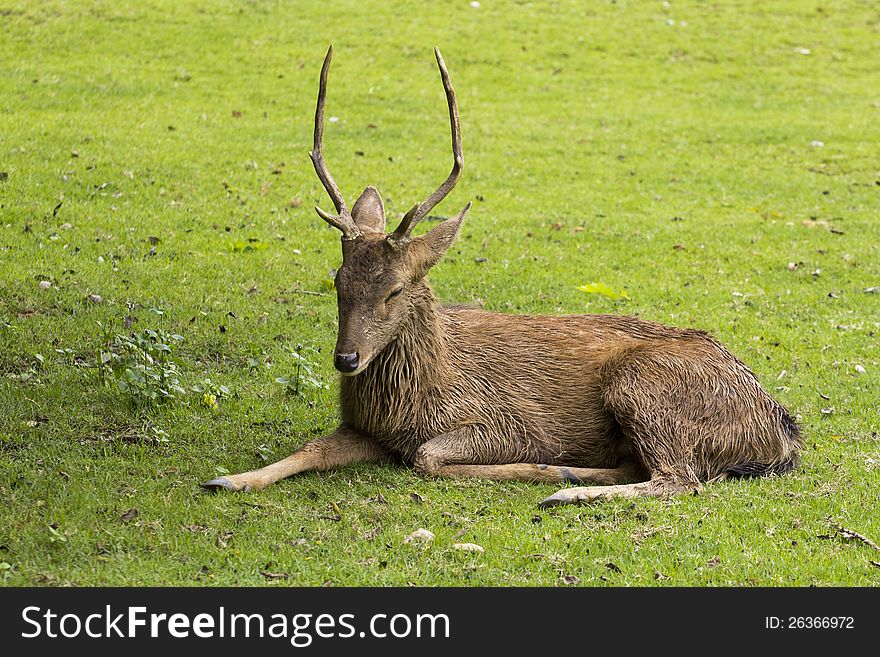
point(339, 448)
point(461, 453)
point(587, 494)
point(535, 472)
point(658, 430)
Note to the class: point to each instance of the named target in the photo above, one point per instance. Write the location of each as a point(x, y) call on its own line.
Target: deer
point(609, 406)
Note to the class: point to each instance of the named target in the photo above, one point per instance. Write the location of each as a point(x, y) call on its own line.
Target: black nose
point(346, 362)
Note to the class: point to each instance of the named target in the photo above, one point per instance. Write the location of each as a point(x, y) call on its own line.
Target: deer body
point(629, 406)
point(534, 389)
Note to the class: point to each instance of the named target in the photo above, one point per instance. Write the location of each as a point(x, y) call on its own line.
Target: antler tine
point(417, 213)
point(343, 220)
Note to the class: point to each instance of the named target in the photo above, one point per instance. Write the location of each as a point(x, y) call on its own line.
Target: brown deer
point(620, 406)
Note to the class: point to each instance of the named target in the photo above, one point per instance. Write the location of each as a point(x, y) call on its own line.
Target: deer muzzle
point(346, 363)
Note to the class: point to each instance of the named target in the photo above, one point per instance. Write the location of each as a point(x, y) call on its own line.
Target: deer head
point(381, 273)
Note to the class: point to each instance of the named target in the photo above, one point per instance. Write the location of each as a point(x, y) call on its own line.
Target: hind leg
point(461, 453)
point(662, 406)
point(588, 494)
point(535, 472)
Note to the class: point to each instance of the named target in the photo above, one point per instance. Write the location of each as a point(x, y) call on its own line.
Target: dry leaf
point(421, 535)
point(129, 515)
point(268, 575)
point(469, 547)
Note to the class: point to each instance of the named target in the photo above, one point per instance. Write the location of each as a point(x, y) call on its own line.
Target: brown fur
point(631, 406)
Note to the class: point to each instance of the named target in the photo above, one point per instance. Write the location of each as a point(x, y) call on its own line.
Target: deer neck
point(415, 358)
point(383, 399)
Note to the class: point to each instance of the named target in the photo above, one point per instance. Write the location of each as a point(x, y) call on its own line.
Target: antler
point(342, 220)
point(418, 211)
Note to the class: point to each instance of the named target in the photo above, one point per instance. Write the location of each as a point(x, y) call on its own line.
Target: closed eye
point(394, 294)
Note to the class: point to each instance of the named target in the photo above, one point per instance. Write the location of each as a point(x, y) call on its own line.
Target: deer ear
point(426, 250)
point(369, 212)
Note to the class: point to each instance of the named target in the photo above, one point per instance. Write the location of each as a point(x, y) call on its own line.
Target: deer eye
point(394, 294)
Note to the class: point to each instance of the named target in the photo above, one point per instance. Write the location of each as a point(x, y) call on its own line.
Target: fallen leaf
point(604, 290)
point(269, 575)
point(571, 579)
point(337, 514)
point(613, 567)
point(415, 497)
point(422, 535)
point(95, 298)
point(469, 547)
point(714, 561)
point(129, 515)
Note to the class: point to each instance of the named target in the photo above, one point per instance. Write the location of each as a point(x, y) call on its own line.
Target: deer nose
point(346, 363)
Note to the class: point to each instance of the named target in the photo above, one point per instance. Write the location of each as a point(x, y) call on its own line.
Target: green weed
point(143, 366)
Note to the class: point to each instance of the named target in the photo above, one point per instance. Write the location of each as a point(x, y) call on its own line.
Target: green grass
point(678, 162)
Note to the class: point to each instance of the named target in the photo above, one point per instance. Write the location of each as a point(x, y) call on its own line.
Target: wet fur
point(578, 390)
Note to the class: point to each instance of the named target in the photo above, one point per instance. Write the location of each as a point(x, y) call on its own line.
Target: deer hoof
point(221, 482)
point(568, 496)
point(553, 500)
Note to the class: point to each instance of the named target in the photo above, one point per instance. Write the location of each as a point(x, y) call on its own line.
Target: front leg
point(343, 446)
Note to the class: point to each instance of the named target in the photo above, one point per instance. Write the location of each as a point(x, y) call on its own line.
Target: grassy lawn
point(718, 161)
